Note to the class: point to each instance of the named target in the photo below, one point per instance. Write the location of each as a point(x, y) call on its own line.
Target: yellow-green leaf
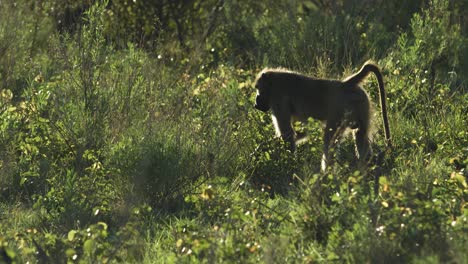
point(71, 235)
point(88, 245)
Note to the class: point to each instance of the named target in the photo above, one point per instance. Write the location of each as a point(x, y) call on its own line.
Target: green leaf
point(104, 225)
point(71, 235)
point(383, 180)
point(88, 246)
point(70, 252)
point(460, 179)
point(332, 256)
point(10, 253)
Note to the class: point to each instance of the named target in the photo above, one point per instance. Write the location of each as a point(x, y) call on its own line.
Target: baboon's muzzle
point(261, 104)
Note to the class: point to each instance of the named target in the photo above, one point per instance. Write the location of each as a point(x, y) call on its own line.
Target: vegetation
point(128, 133)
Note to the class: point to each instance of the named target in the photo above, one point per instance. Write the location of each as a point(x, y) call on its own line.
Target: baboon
point(339, 104)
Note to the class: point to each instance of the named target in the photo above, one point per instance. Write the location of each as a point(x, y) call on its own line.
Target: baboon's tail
point(359, 77)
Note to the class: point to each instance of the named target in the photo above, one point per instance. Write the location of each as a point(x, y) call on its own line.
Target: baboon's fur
point(339, 104)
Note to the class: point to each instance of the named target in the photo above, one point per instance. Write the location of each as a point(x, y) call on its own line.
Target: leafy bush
point(128, 133)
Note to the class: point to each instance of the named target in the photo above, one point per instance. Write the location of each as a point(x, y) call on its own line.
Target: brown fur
point(339, 104)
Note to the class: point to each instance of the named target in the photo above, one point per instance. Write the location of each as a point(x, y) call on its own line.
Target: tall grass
point(114, 153)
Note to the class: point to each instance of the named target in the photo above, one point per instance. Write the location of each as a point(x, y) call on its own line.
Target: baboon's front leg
point(284, 128)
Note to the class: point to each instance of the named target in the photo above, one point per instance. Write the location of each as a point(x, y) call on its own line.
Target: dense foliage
point(127, 133)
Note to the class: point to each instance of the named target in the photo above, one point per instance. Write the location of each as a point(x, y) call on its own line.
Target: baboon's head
point(262, 101)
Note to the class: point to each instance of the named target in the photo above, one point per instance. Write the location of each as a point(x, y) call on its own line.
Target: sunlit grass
point(123, 153)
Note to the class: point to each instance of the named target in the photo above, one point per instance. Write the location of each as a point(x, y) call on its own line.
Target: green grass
point(111, 153)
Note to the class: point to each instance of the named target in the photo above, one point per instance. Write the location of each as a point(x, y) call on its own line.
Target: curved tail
point(359, 77)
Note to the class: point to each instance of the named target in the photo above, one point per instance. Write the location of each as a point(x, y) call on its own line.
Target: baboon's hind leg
point(331, 136)
point(363, 147)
